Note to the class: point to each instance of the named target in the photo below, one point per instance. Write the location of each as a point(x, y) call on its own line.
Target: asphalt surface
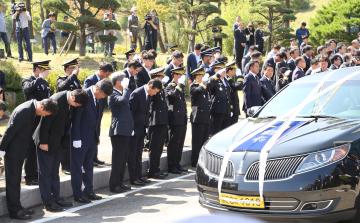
point(174, 200)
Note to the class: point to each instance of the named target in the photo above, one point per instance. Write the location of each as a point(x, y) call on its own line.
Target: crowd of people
point(148, 108)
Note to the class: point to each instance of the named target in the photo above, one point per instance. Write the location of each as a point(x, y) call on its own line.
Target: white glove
point(165, 80)
point(43, 75)
point(238, 72)
point(2, 153)
point(125, 83)
point(206, 77)
point(77, 144)
point(182, 80)
point(133, 133)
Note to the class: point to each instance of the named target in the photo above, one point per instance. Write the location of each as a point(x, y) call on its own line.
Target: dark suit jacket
point(200, 104)
point(234, 96)
point(86, 122)
point(297, 73)
point(139, 106)
point(240, 37)
point(132, 83)
point(252, 92)
point(308, 63)
point(18, 135)
point(158, 110)
point(68, 83)
point(167, 72)
point(245, 61)
point(267, 88)
point(191, 64)
point(291, 64)
point(90, 81)
point(122, 122)
point(142, 78)
point(53, 129)
point(176, 104)
point(259, 40)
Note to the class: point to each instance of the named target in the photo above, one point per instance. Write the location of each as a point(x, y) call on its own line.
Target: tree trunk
point(161, 43)
point(13, 36)
point(42, 14)
point(270, 29)
point(192, 35)
point(287, 22)
point(31, 28)
point(82, 43)
point(166, 41)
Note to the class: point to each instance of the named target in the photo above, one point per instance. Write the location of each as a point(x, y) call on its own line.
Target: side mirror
point(253, 110)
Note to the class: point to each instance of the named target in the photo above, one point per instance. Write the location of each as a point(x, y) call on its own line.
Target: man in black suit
point(299, 70)
point(255, 56)
point(129, 57)
point(308, 55)
point(16, 142)
point(177, 59)
point(240, 44)
point(193, 60)
point(219, 90)
point(48, 138)
point(267, 87)
point(68, 82)
point(158, 122)
point(236, 83)
point(105, 69)
point(35, 87)
point(335, 62)
point(120, 131)
point(200, 114)
point(85, 138)
point(247, 57)
point(252, 89)
point(143, 76)
point(294, 53)
point(177, 114)
point(139, 104)
point(132, 70)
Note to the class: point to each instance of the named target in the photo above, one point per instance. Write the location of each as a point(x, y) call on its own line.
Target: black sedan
point(313, 170)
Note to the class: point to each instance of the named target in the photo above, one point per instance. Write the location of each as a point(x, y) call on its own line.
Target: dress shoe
point(118, 190)
point(29, 211)
point(125, 187)
point(93, 197)
point(66, 204)
point(137, 183)
point(53, 207)
point(145, 180)
point(82, 199)
point(180, 168)
point(174, 170)
point(158, 175)
point(99, 162)
point(20, 215)
point(33, 182)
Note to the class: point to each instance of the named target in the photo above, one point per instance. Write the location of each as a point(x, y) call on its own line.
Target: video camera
point(148, 18)
point(18, 7)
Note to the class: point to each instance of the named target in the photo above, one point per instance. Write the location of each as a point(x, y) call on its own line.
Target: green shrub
point(53, 76)
point(12, 77)
point(298, 5)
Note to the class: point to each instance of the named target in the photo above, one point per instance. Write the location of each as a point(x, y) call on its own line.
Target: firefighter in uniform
point(236, 84)
point(200, 114)
point(68, 82)
point(175, 96)
point(158, 126)
point(35, 87)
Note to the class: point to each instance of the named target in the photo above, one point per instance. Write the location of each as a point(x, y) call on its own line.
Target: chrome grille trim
point(276, 169)
point(213, 165)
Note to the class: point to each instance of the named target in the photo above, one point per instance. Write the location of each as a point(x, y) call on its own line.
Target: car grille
point(275, 169)
point(213, 165)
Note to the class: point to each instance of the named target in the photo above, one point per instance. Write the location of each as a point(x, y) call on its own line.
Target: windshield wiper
point(266, 117)
point(318, 116)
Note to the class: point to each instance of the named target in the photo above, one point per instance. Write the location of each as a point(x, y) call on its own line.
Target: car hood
point(312, 135)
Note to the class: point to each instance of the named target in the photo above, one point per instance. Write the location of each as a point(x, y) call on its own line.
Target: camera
point(148, 17)
point(18, 7)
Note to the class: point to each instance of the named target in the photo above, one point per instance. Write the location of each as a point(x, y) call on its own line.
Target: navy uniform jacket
point(200, 104)
point(53, 129)
point(267, 88)
point(176, 104)
point(252, 92)
point(291, 64)
point(132, 83)
point(297, 73)
point(122, 122)
point(158, 110)
point(191, 64)
point(18, 135)
point(234, 97)
point(139, 106)
point(167, 72)
point(142, 78)
point(36, 88)
point(219, 95)
point(68, 83)
point(85, 123)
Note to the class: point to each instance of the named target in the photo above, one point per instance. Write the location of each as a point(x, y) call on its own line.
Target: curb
point(30, 195)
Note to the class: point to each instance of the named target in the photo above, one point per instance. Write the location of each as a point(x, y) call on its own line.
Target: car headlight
point(323, 158)
point(202, 156)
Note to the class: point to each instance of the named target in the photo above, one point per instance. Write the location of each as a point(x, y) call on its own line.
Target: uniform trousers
point(135, 154)
point(200, 133)
point(176, 144)
point(157, 135)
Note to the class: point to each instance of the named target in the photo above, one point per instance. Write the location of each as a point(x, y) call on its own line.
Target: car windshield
point(342, 102)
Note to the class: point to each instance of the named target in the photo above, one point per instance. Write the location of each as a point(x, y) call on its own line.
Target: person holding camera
point(3, 33)
point(48, 32)
point(109, 45)
point(22, 18)
point(150, 29)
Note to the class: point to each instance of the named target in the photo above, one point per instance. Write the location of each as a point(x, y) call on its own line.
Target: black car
point(313, 170)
